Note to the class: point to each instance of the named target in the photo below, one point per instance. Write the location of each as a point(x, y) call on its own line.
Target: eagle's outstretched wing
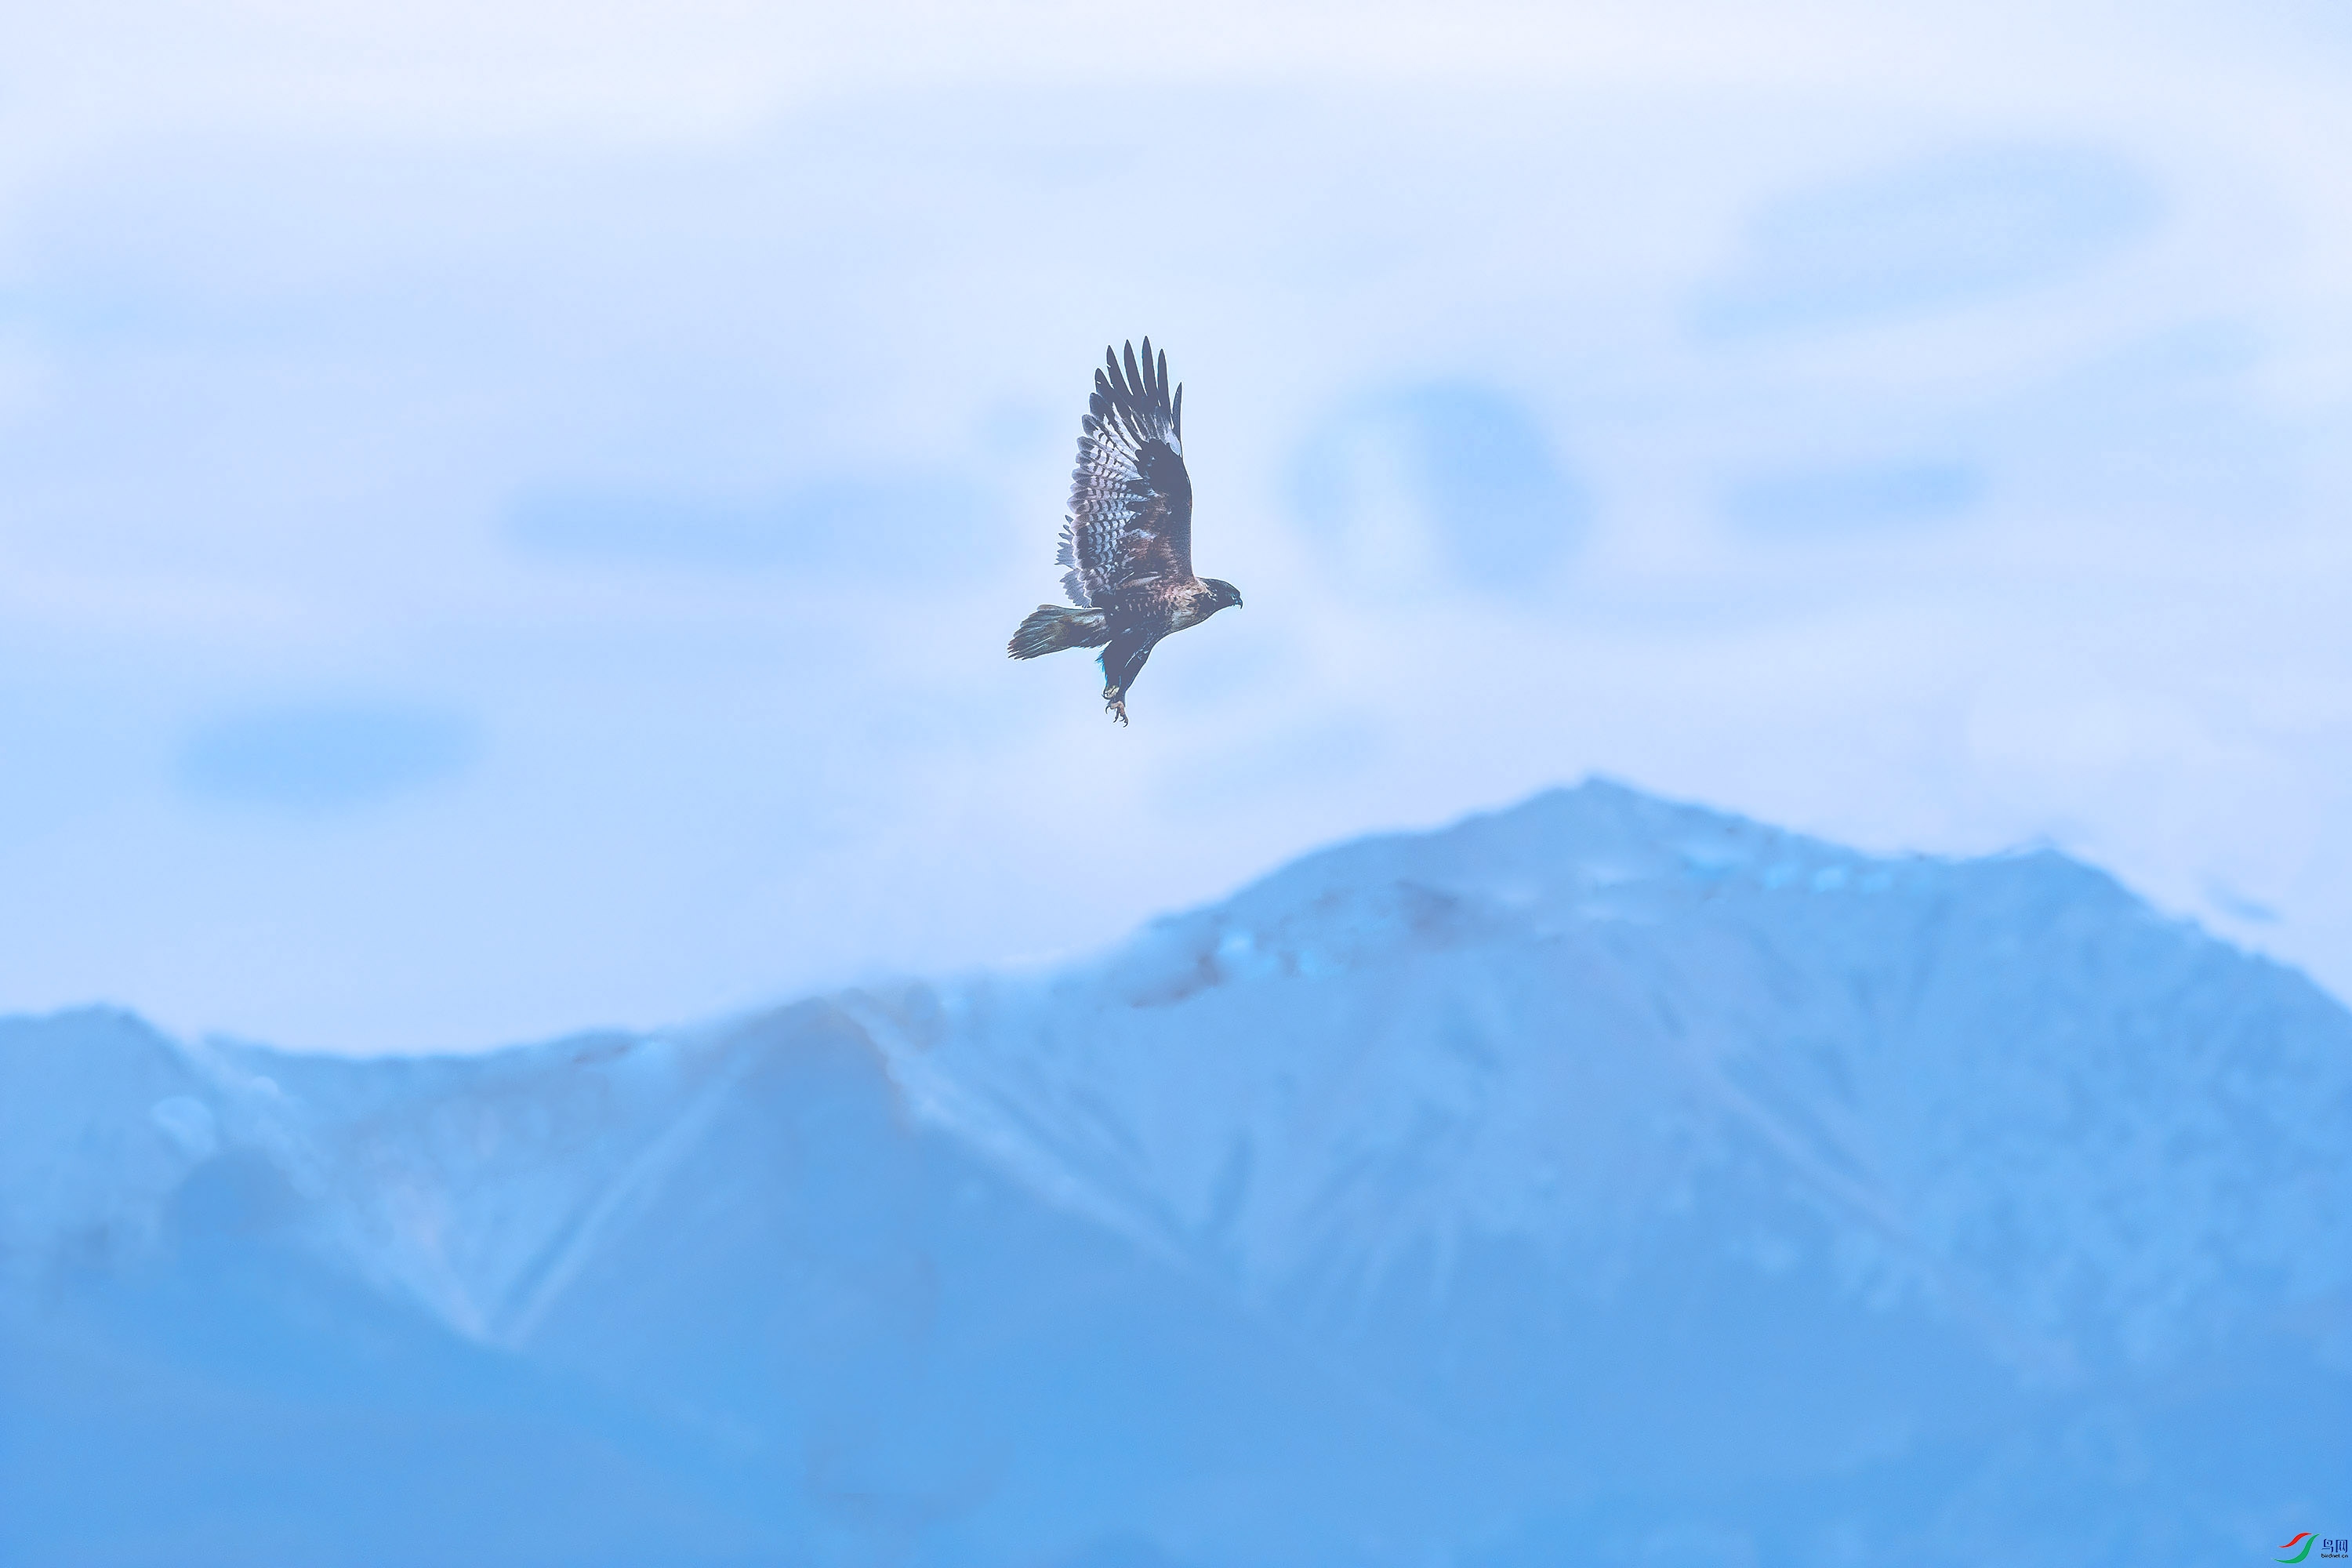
point(1131, 499)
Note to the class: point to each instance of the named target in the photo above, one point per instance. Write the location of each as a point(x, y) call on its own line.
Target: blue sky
point(510, 516)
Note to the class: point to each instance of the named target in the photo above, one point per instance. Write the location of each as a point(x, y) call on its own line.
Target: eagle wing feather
point(1130, 523)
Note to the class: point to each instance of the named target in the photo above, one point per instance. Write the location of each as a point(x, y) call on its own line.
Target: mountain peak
point(1489, 1193)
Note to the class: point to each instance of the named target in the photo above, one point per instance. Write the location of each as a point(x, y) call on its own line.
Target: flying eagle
point(1128, 541)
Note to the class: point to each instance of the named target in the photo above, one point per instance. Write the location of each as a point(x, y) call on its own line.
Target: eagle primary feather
point(1128, 541)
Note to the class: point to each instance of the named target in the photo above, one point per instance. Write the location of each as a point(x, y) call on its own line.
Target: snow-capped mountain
point(1599, 1181)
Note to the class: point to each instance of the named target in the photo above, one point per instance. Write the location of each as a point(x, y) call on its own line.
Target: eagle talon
point(1115, 704)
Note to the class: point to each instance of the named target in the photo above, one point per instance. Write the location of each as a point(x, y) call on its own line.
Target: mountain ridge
point(1590, 1177)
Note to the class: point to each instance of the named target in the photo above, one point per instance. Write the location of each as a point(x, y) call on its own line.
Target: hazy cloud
point(1450, 478)
point(326, 757)
point(1877, 495)
point(924, 523)
point(1938, 232)
point(275, 394)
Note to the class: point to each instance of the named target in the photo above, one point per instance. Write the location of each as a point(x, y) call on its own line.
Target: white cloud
point(305, 314)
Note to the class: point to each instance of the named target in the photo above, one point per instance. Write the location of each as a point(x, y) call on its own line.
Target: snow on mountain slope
point(2007, 1084)
point(1602, 1180)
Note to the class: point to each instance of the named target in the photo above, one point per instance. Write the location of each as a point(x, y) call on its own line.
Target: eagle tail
point(1049, 628)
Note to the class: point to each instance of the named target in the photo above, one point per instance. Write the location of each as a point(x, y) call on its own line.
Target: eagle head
point(1221, 594)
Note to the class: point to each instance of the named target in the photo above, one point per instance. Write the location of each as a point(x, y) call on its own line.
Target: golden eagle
point(1128, 542)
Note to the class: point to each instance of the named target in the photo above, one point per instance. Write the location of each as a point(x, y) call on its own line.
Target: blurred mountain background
point(1602, 1180)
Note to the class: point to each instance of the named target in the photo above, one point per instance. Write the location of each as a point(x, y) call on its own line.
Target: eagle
point(1128, 541)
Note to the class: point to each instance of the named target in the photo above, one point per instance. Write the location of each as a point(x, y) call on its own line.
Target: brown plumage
point(1128, 541)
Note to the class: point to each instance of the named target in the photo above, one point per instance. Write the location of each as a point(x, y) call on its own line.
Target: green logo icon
point(2305, 1538)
